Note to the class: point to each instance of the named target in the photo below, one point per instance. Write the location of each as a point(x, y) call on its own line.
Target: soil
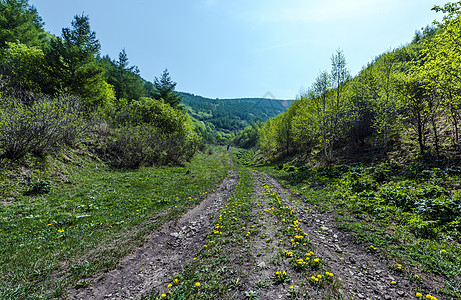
point(361, 274)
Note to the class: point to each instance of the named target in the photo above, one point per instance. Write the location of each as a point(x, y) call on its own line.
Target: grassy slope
point(88, 223)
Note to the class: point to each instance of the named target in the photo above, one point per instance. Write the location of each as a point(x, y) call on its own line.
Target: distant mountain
point(219, 119)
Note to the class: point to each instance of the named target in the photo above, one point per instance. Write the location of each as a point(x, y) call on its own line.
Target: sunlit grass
point(52, 240)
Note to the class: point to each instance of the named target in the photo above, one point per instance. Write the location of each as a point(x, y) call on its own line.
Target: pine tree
point(164, 88)
point(20, 22)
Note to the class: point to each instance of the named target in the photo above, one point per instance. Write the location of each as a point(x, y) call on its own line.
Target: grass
point(251, 228)
point(410, 214)
point(88, 222)
point(211, 275)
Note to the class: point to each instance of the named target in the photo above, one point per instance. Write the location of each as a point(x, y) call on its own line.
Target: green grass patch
point(87, 224)
point(409, 213)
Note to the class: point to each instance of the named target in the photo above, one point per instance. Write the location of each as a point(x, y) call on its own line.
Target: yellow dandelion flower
point(197, 284)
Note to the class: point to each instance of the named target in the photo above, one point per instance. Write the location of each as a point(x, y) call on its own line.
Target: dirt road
point(326, 263)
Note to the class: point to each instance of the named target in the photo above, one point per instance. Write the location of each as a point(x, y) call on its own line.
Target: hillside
point(218, 119)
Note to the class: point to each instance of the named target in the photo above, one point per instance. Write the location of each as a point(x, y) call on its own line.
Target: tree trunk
point(436, 136)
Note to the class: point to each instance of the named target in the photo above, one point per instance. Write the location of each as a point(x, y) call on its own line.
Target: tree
point(126, 80)
point(441, 63)
point(164, 88)
point(415, 104)
point(20, 22)
point(339, 76)
point(23, 65)
point(72, 63)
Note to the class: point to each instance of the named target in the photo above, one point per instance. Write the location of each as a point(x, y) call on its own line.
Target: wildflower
point(176, 281)
point(163, 295)
point(204, 246)
point(419, 295)
point(319, 276)
point(393, 282)
point(170, 285)
point(292, 287)
point(443, 251)
point(197, 284)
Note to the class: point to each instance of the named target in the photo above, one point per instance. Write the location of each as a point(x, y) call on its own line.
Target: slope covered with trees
point(219, 120)
point(406, 102)
point(56, 90)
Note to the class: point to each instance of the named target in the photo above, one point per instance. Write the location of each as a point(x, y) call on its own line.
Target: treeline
point(60, 91)
point(218, 120)
point(406, 99)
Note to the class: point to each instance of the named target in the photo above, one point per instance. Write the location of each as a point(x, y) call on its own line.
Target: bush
point(39, 128)
point(135, 146)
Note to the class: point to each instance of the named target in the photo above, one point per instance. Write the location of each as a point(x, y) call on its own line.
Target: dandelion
point(163, 295)
point(197, 284)
point(393, 282)
point(292, 287)
point(170, 285)
point(419, 295)
point(443, 251)
point(176, 281)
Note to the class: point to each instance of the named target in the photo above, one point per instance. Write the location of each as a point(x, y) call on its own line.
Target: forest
point(222, 120)
point(403, 104)
point(60, 92)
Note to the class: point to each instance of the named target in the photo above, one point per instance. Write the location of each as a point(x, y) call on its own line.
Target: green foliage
point(248, 138)
point(20, 22)
point(222, 118)
point(126, 80)
point(23, 65)
point(164, 89)
point(72, 65)
point(53, 241)
point(39, 188)
point(39, 128)
point(406, 97)
point(135, 146)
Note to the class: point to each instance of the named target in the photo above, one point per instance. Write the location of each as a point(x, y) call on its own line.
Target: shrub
point(135, 146)
point(39, 128)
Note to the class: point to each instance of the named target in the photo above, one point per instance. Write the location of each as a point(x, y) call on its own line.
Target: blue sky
point(243, 48)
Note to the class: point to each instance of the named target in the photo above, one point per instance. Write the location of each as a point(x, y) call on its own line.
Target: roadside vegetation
point(59, 227)
point(407, 214)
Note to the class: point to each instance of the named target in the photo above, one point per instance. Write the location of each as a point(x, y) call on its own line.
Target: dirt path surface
point(362, 274)
point(165, 252)
point(358, 272)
